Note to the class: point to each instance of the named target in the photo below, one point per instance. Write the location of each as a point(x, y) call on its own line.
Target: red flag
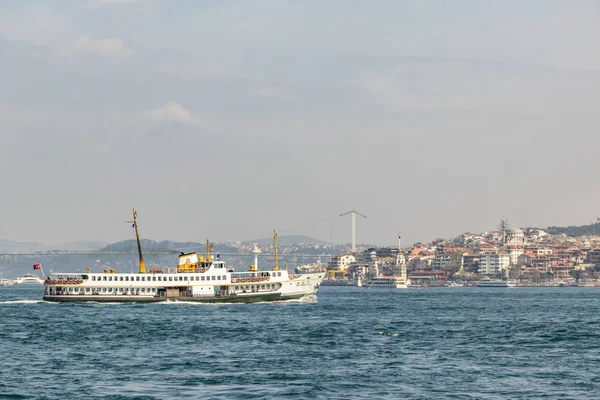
point(37, 266)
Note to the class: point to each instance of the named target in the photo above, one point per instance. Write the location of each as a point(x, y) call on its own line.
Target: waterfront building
point(428, 276)
point(340, 262)
point(593, 257)
point(419, 263)
point(493, 263)
point(380, 252)
point(561, 271)
point(524, 260)
point(538, 251)
point(470, 262)
point(487, 248)
point(358, 268)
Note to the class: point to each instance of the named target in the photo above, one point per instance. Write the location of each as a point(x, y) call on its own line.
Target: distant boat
point(387, 282)
point(6, 282)
point(28, 279)
point(487, 282)
point(358, 282)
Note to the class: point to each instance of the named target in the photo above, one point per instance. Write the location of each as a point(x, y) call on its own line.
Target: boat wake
point(381, 333)
point(8, 302)
point(308, 299)
point(191, 303)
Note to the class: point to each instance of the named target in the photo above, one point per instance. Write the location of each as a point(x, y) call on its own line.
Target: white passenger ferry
point(197, 278)
point(387, 282)
point(487, 282)
point(390, 281)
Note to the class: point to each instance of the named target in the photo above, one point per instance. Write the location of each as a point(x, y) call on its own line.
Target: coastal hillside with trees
point(576, 231)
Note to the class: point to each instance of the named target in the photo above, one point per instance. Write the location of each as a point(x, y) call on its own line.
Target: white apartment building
point(341, 262)
point(493, 263)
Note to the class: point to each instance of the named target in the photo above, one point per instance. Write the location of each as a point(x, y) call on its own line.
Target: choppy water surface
point(352, 343)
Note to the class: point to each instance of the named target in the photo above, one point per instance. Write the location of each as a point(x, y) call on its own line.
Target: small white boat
point(487, 282)
point(29, 279)
point(6, 282)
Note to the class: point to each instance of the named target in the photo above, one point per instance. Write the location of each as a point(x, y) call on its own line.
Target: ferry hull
point(262, 297)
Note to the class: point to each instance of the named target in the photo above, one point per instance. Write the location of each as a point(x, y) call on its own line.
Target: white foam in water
point(191, 303)
point(309, 299)
point(25, 302)
point(388, 334)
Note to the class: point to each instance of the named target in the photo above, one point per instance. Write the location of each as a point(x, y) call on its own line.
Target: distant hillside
point(289, 239)
point(575, 231)
point(8, 246)
point(82, 245)
point(166, 245)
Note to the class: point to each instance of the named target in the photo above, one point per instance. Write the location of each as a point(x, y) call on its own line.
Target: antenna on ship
point(275, 250)
point(139, 245)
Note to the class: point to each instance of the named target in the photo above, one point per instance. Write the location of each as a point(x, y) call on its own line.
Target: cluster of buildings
point(527, 255)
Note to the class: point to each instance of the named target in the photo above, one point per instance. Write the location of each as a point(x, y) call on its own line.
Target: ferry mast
point(139, 245)
point(275, 250)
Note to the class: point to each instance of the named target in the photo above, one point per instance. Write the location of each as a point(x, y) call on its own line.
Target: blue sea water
point(349, 343)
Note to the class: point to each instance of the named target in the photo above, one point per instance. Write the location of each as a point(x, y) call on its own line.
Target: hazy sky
point(226, 119)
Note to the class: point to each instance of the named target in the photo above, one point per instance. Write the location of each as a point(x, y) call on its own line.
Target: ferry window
point(224, 278)
point(93, 278)
point(154, 278)
point(137, 278)
point(214, 278)
point(126, 278)
point(170, 278)
point(104, 278)
point(120, 278)
point(143, 279)
point(202, 278)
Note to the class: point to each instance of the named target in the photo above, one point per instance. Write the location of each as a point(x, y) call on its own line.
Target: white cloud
point(104, 47)
point(168, 112)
